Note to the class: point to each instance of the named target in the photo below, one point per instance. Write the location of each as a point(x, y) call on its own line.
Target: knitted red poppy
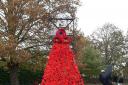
point(61, 68)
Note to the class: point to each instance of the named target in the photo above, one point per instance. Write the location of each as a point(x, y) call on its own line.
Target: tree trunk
point(13, 68)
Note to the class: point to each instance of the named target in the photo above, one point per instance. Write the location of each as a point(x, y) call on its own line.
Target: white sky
point(95, 13)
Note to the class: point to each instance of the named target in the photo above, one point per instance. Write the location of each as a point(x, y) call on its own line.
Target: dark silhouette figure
point(105, 77)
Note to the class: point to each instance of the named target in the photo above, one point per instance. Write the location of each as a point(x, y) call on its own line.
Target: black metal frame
point(67, 19)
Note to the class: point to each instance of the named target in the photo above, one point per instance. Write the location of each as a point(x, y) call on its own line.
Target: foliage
point(24, 27)
point(92, 59)
point(4, 77)
point(26, 77)
point(109, 39)
point(88, 58)
point(37, 62)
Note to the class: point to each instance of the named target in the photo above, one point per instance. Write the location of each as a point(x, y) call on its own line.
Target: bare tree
point(110, 41)
point(126, 55)
point(24, 26)
point(126, 43)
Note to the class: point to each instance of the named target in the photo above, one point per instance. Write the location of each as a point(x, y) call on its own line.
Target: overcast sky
point(95, 13)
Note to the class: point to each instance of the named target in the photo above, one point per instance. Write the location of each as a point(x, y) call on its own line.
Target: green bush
point(26, 77)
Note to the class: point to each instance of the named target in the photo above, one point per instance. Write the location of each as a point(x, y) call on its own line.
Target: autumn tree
point(80, 44)
point(87, 57)
point(24, 27)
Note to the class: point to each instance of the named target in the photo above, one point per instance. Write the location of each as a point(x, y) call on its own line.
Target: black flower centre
point(61, 33)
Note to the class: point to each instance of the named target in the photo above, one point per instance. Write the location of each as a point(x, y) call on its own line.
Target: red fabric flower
point(61, 68)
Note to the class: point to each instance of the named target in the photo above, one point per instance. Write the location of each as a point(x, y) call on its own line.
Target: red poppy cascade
point(61, 68)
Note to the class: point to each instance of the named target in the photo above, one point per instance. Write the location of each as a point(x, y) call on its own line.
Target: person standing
point(105, 76)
